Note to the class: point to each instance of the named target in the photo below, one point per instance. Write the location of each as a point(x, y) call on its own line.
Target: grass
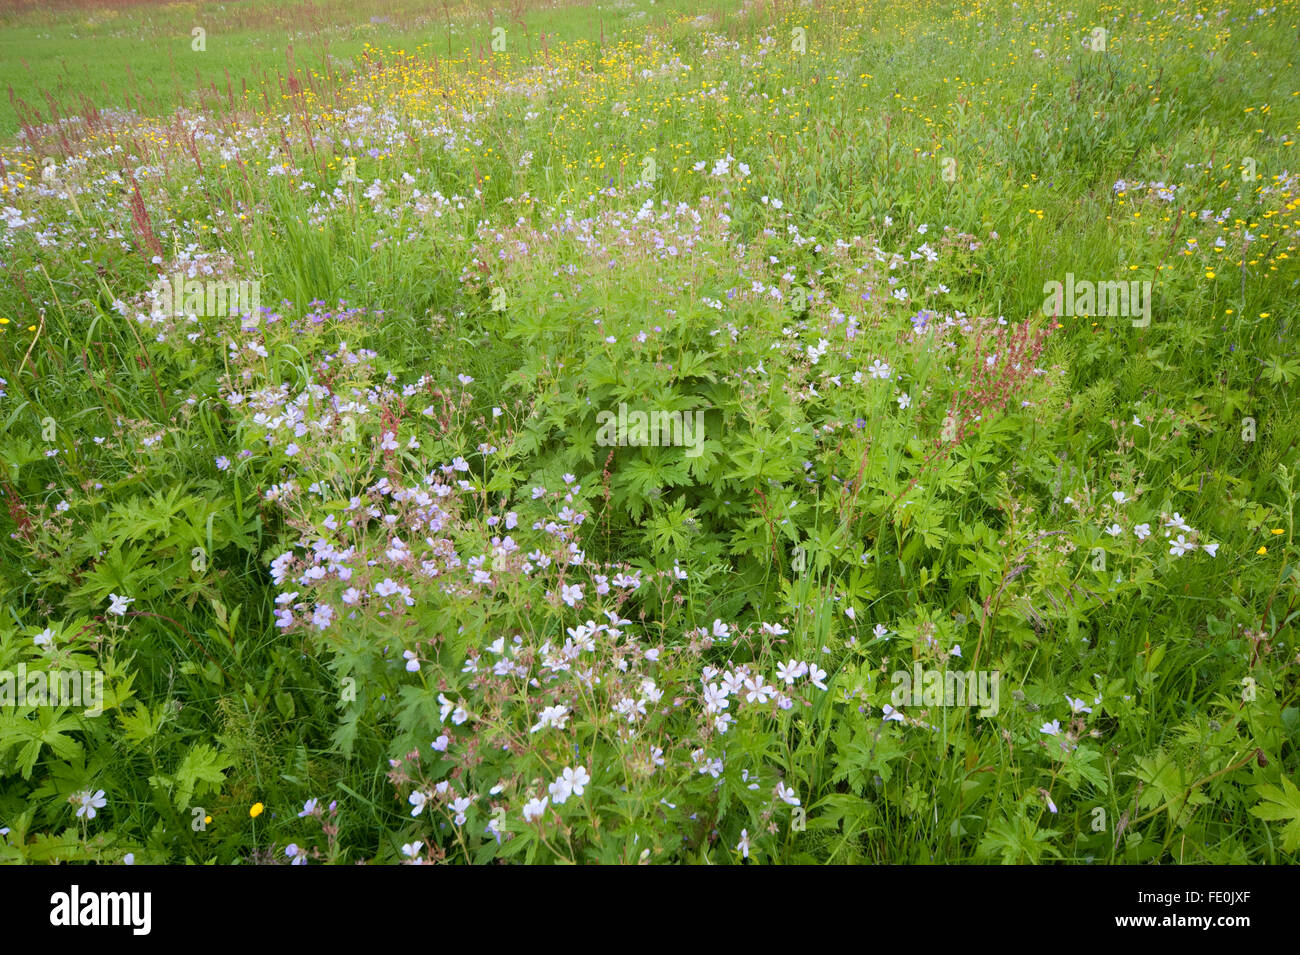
point(379, 556)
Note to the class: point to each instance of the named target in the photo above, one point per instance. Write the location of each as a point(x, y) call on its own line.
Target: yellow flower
point(1262, 550)
point(1278, 530)
point(256, 810)
point(207, 819)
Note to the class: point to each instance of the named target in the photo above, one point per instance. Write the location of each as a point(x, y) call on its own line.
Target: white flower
point(577, 779)
point(880, 630)
point(412, 662)
point(1052, 728)
point(786, 794)
point(1211, 549)
point(534, 808)
point(715, 699)
point(721, 630)
point(412, 849)
point(556, 716)
point(743, 844)
point(1076, 706)
point(1114, 530)
point(119, 604)
point(904, 401)
point(1119, 496)
point(46, 637)
point(879, 369)
point(816, 675)
point(88, 802)
point(560, 791)
point(889, 713)
point(1181, 546)
point(418, 799)
point(1143, 531)
point(458, 806)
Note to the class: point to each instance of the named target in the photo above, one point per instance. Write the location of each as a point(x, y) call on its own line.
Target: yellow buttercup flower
point(1278, 530)
point(1262, 550)
point(256, 810)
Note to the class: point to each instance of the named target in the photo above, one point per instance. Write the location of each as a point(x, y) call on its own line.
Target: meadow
point(829, 432)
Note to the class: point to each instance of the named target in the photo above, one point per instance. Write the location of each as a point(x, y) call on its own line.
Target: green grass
point(964, 500)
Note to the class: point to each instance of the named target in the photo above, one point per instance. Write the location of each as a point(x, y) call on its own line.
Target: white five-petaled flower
point(1077, 706)
point(1180, 546)
point(816, 675)
point(1052, 728)
point(87, 802)
point(119, 604)
point(418, 799)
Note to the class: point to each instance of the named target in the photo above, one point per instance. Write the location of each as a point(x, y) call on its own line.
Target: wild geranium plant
point(653, 455)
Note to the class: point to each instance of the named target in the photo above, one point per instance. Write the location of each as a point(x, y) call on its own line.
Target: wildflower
point(255, 810)
point(418, 799)
point(786, 794)
point(904, 400)
point(297, 853)
point(879, 369)
point(1143, 531)
point(88, 802)
point(577, 779)
point(1076, 706)
point(1180, 546)
point(743, 844)
point(119, 604)
point(1051, 729)
point(412, 661)
point(308, 808)
point(556, 716)
point(889, 713)
point(44, 639)
point(412, 849)
point(880, 630)
point(534, 808)
point(1211, 549)
point(816, 675)
point(458, 806)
